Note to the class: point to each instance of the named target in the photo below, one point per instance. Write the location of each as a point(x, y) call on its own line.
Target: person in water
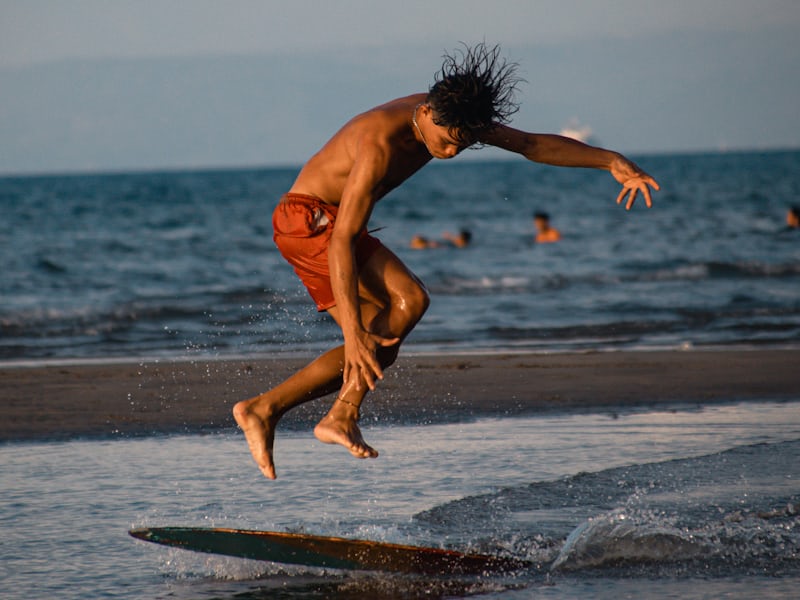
point(461, 239)
point(793, 217)
point(320, 227)
point(420, 242)
point(545, 233)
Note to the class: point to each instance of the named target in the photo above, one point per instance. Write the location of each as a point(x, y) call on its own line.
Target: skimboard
point(328, 552)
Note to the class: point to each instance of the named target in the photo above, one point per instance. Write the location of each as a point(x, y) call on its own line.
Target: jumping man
point(320, 228)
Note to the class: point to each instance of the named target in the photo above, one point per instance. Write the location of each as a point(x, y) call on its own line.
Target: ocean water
point(686, 502)
point(182, 263)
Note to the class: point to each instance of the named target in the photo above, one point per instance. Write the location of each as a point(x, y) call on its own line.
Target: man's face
point(441, 141)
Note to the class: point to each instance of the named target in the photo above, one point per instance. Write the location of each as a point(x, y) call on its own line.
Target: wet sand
point(142, 398)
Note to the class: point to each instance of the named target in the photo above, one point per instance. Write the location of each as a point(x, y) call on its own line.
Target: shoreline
point(61, 400)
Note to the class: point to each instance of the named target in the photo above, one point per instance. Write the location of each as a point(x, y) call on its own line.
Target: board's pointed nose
point(142, 533)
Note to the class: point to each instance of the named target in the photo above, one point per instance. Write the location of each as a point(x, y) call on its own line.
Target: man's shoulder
point(401, 103)
point(380, 123)
point(397, 109)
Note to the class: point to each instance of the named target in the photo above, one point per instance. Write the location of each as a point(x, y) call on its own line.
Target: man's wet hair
point(473, 92)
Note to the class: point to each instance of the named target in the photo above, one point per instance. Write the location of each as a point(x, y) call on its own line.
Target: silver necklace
point(414, 121)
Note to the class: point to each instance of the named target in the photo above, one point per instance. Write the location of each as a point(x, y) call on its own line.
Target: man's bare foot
point(260, 435)
point(341, 428)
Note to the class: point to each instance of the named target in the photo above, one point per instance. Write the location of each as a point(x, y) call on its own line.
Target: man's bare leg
point(340, 425)
point(258, 417)
point(393, 302)
point(384, 279)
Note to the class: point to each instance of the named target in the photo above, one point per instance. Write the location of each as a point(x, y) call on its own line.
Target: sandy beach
point(139, 398)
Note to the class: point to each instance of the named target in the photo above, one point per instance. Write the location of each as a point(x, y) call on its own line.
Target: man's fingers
point(345, 373)
point(375, 370)
point(631, 199)
point(647, 199)
point(371, 370)
point(355, 380)
point(367, 377)
point(633, 191)
point(366, 369)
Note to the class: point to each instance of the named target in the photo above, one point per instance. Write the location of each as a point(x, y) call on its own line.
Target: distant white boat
point(576, 131)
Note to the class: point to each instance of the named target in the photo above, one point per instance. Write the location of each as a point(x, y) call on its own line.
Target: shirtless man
point(320, 228)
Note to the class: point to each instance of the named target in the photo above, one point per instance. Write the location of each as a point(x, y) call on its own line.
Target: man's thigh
point(384, 279)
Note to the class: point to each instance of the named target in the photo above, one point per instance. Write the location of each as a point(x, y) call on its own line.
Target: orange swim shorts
point(302, 228)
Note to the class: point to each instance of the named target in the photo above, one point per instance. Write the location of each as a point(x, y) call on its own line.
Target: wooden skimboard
point(329, 552)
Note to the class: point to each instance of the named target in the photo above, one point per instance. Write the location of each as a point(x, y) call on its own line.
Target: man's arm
point(360, 365)
point(565, 152)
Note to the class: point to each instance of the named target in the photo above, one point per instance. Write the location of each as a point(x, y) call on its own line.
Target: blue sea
point(677, 501)
point(183, 263)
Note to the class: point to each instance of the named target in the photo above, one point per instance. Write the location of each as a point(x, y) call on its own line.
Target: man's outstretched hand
point(633, 181)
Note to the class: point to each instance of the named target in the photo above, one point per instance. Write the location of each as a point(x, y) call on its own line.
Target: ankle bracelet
point(356, 406)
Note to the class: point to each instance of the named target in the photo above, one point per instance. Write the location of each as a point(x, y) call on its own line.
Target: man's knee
point(403, 312)
point(416, 302)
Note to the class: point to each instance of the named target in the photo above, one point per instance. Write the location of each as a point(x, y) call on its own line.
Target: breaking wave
point(736, 511)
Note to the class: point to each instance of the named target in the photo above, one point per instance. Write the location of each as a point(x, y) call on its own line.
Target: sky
point(95, 85)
